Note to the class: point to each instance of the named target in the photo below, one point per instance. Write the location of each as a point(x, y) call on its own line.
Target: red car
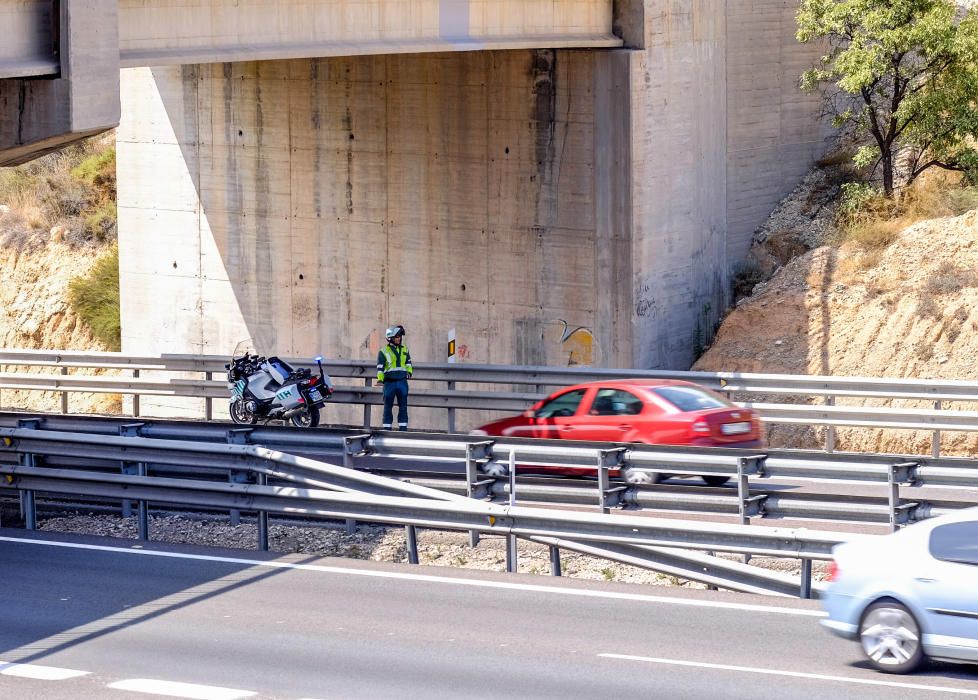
point(651, 411)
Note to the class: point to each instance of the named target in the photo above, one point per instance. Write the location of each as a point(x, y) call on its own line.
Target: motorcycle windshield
point(244, 347)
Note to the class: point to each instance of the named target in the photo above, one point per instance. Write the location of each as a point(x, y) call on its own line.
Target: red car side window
point(561, 406)
point(616, 402)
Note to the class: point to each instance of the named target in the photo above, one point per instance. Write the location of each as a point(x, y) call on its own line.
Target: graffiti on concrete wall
point(576, 343)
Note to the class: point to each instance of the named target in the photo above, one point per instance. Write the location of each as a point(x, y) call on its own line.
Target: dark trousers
point(396, 389)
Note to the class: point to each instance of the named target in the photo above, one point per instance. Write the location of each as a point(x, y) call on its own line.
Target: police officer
point(393, 371)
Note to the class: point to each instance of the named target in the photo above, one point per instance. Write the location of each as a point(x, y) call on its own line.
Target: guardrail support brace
point(64, 394)
point(28, 501)
point(130, 468)
point(412, 544)
point(555, 560)
point(135, 397)
point(263, 519)
point(806, 579)
point(830, 429)
point(511, 552)
point(474, 451)
point(935, 438)
point(451, 411)
point(902, 473)
point(208, 401)
point(607, 458)
point(28, 508)
point(367, 382)
point(142, 521)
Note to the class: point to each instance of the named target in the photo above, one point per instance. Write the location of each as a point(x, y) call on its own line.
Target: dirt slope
point(908, 310)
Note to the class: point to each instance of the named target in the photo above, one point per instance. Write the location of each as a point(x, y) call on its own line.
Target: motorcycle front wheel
point(240, 414)
point(307, 419)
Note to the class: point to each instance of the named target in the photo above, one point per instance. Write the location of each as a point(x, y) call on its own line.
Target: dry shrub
point(949, 278)
point(873, 221)
point(927, 307)
point(923, 350)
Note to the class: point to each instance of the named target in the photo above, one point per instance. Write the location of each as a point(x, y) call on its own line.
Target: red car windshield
point(689, 398)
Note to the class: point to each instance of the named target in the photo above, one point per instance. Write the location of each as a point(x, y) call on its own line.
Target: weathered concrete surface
point(41, 115)
point(553, 207)
point(29, 47)
point(163, 32)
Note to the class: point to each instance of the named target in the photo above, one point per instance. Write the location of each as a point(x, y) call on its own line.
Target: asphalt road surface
point(96, 618)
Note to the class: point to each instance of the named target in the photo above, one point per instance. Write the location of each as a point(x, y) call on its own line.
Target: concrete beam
point(38, 116)
point(165, 32)
point(30, 39)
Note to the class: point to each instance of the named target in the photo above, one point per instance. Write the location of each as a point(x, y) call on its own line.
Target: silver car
point(910, 595)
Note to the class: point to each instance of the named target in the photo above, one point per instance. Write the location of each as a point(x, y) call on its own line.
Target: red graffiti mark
point(462, 352)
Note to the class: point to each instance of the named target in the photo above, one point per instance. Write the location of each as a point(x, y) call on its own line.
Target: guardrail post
point(263, 519)
point(367, 382)
point(607, 459)
point(64, 394)
point(129, 468)
point(412, 544)
point(830, 429)
point(511, 552)
point(352, 446)
point(806, 579)
point(902, 473)
point(238, 436)
point(555, 560)
point(28, 500)
point(135, 397)
point(935, 438)
point(142, 522)
point(474, 452)
point(451, 410)
point(208, 400)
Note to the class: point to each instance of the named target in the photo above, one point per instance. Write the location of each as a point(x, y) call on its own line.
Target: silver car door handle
point(921, 579)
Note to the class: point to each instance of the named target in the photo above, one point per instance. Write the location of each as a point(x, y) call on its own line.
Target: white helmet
point(394, 331)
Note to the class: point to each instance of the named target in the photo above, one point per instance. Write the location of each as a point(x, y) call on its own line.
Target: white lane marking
point(791, 674)
point(475, 583)
point(180, 690)
point(41, 673)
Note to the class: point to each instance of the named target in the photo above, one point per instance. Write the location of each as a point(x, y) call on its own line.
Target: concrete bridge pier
point(551, 205)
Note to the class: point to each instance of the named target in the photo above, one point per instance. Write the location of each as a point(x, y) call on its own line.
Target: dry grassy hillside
point(57, 219)
point(899, 298)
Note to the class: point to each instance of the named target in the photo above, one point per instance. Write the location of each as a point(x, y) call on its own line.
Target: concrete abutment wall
point(552, 206)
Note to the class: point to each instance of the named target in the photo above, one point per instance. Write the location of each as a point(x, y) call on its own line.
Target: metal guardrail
point(629, 463)
point(209, 385)
point(634, 540)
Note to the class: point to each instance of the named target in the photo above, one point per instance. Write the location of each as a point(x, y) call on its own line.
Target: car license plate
point(735, 428)
point(315, 395)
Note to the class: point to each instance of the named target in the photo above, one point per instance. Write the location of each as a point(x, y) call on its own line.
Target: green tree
point(904, 72)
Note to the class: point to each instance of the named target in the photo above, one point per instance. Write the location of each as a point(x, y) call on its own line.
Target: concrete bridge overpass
point(559, 181)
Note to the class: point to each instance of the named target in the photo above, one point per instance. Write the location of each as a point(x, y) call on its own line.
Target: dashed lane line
point(41, 673)
point(180, 690)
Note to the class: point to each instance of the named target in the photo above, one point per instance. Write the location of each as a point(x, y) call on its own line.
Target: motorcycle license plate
point(315, 395)
point(735, 428)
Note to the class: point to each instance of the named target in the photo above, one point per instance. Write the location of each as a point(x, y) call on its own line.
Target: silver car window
point(957, 542)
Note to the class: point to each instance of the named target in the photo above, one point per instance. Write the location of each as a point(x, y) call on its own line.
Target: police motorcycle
point(264, 389)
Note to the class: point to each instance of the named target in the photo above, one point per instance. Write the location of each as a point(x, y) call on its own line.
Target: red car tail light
point(833, 571)
point(701, 426)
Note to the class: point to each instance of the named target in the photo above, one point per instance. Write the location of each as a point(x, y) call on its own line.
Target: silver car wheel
point(891, 638)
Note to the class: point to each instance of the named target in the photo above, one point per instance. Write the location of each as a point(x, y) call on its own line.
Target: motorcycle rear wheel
point(241, 415)
point(307, 419)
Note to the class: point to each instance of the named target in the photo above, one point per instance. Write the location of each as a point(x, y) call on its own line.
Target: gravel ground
point(435, 548)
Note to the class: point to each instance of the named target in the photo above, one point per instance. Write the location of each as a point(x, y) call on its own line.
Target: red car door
point(611, 415)
point(556, 415)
